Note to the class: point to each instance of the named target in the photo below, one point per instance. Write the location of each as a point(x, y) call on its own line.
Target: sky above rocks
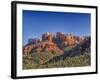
point(35, 23)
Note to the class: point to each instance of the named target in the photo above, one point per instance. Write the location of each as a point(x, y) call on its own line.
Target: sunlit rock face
point(66, 40)
point(55, 43)
point(47, 37)
point(48, 47)
point(70, 40)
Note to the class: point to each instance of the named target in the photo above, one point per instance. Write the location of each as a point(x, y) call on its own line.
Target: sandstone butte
point(52, 43)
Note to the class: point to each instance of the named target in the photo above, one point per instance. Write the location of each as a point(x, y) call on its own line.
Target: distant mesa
point(34, 41)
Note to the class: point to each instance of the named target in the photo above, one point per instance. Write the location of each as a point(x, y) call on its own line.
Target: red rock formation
point(60, 36)
point(47, 37)
point(27, 49)
point(77, 39)
point(47, 44)
point(69, 40)
point(48, 47)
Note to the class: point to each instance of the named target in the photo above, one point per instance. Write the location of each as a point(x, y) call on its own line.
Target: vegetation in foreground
point(36, 61)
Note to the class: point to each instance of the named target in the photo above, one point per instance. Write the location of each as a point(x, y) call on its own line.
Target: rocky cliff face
point(47, 37)
point(66, 40)
point(52, 44)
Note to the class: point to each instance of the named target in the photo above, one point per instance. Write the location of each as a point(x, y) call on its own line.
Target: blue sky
point(35, 23)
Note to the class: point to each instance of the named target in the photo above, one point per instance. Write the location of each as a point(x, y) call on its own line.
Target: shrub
point(36, 61)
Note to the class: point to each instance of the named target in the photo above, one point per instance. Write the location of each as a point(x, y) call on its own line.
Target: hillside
point(59, 50)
